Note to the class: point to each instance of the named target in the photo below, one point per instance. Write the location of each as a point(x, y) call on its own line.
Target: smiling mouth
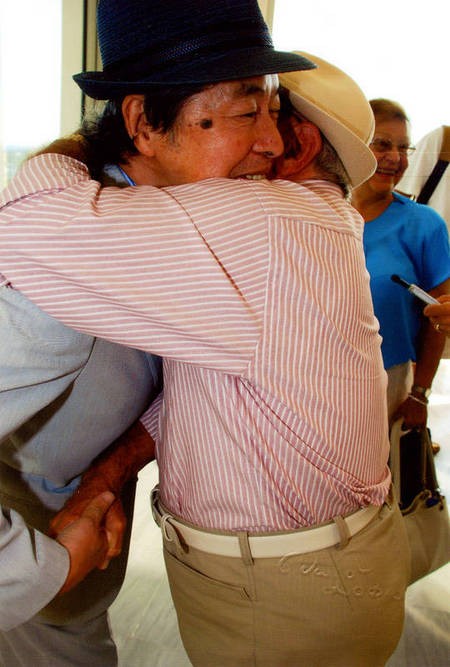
point(254, 177)
point(387, 172)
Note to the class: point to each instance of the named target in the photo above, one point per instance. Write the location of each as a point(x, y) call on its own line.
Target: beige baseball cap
point(336, 104)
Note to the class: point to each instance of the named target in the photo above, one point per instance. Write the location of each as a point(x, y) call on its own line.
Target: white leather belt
point(272, 545)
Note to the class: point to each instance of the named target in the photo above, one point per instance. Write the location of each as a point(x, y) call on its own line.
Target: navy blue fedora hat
point(146, 43)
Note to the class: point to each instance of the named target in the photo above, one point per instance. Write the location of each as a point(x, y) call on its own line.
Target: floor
point(143, 618)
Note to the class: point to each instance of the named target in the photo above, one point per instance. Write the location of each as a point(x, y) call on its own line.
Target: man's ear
point(310, 140)
point(136, 124)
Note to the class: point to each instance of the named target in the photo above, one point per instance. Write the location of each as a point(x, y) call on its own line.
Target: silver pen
point(414, 289)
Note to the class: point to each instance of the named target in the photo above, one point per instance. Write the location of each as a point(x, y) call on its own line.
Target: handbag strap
point(445, 146)
point(430, 468)
point(441, 165)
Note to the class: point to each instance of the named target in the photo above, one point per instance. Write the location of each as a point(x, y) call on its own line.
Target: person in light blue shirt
point(64, 398)
point(411, 240)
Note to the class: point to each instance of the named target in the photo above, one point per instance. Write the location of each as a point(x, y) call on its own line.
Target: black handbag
point(423, 507)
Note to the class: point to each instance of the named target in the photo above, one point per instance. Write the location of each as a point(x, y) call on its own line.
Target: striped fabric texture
point(257, 296)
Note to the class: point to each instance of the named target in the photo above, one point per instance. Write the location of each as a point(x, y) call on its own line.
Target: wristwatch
point(423, 391)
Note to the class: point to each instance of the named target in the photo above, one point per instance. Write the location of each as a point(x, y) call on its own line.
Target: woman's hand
point(439, 314)
point(413, 413)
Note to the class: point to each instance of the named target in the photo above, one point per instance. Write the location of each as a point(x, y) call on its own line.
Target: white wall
point(397, 49)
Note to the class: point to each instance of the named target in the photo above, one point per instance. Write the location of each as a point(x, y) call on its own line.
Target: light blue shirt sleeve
point(33, 568)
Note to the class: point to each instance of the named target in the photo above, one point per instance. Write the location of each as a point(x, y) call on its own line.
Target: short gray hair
point(330, 165)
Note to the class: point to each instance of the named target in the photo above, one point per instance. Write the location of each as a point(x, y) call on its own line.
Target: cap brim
point(240, 64)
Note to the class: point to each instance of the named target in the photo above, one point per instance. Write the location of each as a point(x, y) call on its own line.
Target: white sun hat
point(332, 100)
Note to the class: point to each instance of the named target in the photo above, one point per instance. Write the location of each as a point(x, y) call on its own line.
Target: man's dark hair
point(106, 135)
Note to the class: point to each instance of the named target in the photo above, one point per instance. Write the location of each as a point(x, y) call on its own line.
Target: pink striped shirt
point(257, 296)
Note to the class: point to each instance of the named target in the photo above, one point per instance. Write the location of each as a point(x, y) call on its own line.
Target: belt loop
point(391, 498)
point(170, 534)
point(154, 497)
point(344, 532)
point(244, 544)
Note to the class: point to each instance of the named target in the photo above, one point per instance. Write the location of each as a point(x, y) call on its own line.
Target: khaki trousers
point(337, 607)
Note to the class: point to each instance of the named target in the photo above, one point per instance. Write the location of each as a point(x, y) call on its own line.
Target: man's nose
point(269, 139)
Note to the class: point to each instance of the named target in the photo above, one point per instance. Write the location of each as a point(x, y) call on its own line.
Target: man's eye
point(250, 114)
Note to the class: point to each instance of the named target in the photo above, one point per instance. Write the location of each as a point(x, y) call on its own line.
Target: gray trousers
point(39, 644)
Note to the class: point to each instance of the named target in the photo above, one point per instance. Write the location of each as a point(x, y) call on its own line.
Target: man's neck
point(307, 173)
point(138, 169)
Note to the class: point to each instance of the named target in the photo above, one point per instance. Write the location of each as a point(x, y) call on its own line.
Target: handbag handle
point(430, 468)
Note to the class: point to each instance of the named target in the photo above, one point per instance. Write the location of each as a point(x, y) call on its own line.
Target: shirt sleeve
point(33, 568)
point(54, 355)
point(129, 264)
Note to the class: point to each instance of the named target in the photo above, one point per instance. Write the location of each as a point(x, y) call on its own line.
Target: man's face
point(228, 130)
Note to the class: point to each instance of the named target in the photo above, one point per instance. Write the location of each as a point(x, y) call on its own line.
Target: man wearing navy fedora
point(56, 380)
point(281, 543)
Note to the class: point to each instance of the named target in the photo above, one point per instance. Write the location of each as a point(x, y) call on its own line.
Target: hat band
point(139, 64)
